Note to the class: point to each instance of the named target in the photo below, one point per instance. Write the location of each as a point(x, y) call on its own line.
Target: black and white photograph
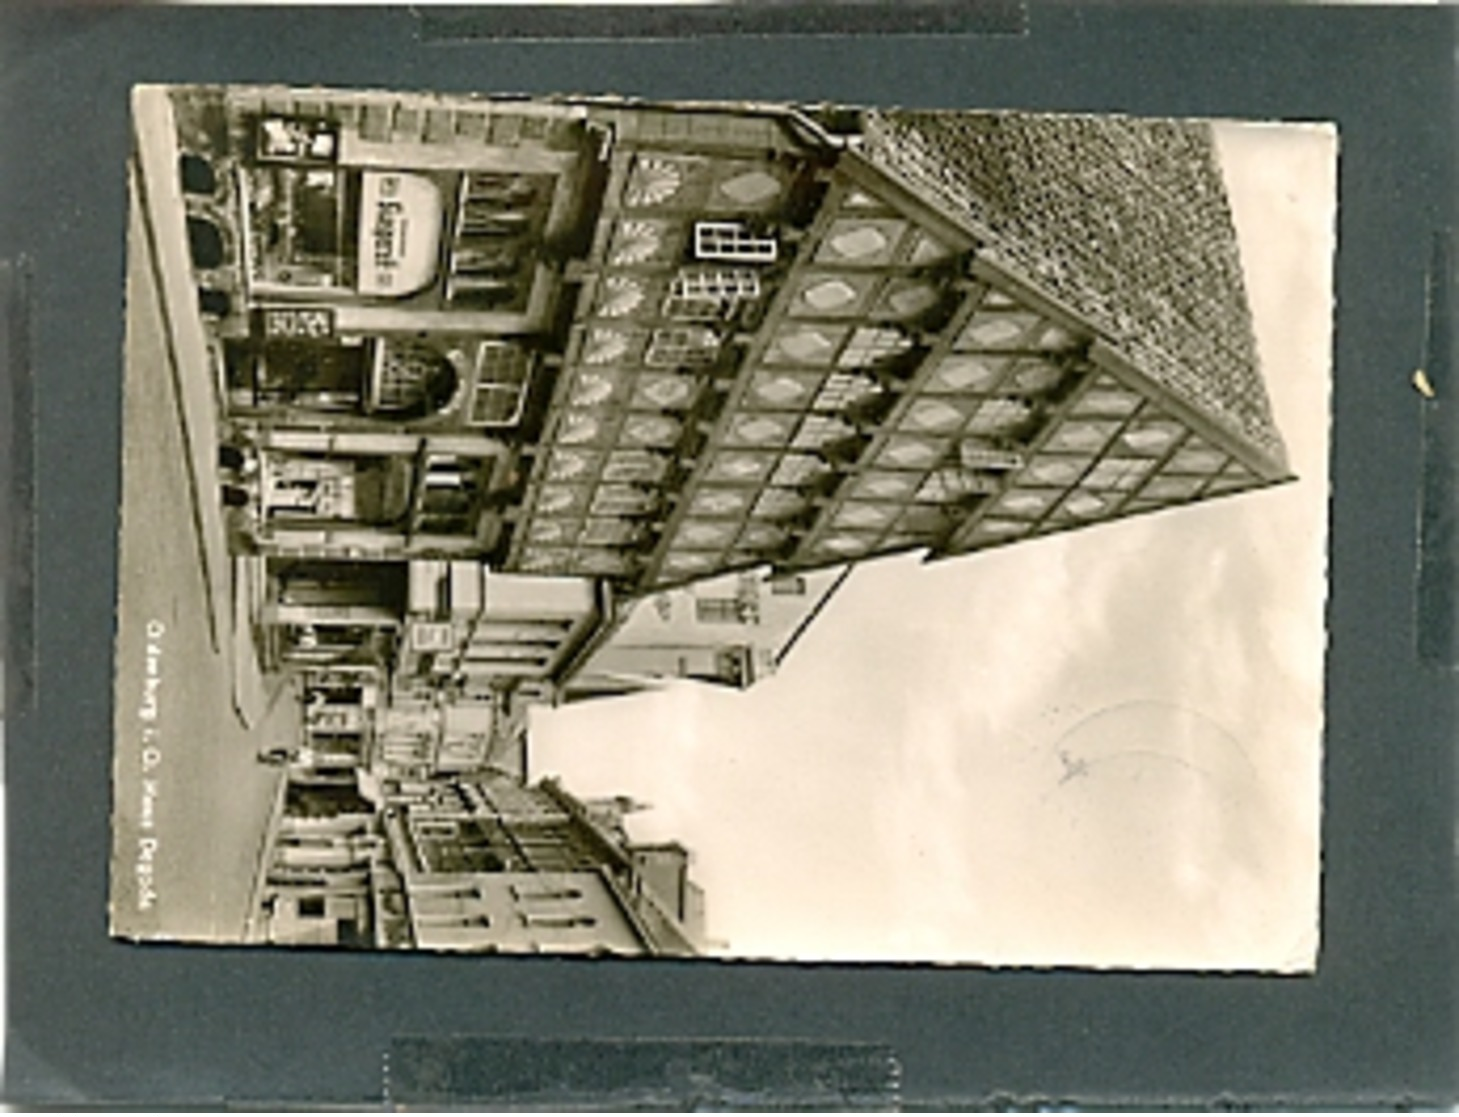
point(799, 532)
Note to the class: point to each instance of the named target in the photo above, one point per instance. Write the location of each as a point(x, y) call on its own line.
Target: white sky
point(1100, 748)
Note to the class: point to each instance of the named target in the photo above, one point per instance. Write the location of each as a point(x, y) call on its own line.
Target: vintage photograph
point(776, 531)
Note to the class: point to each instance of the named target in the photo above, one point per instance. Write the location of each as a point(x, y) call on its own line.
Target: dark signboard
point(298, 323)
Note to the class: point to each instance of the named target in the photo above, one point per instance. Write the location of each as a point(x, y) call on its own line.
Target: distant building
point(732, 630)
point(487, 864)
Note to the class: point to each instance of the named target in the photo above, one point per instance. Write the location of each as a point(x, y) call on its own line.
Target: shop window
point(318, 377)
point(732, 240)
point(304, 226)
point(448, 497)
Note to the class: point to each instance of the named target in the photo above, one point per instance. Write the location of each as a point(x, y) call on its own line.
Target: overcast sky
point(1100, 748)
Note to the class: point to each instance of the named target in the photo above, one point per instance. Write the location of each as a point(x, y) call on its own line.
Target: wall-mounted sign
point(302, 323)
point(285, 139)
point(400, 232)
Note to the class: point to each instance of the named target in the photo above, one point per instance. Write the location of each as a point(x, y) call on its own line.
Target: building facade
point(732, 630)
point(654, 343)
point(531, 400)
point(487, 863)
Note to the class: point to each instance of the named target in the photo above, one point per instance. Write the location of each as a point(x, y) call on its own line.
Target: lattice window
point(732, 240)
point(976, 454)
point(710, 292)
point(1120, 474)
point(816, 431)
point(952, 483)
point(635, 465)
point(674, 346)
point(621, 500)
point(870, 345)
point(842, 389)
point(796, 469)
point(501, 385)
point(408, 374)
point(999, 416)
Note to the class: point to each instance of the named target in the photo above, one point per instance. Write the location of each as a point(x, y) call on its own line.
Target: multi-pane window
point(976, 454)
point(717, 610)
point(842, 389)
point(710, 293)
point(732, 240)
point(621, 500)
point(635, 465)
point(1121, 474)
point(682, 345)
point(501, 385)
point(952, 483)
point(1000, 416)
point(796, 469)
point(790, 585)
point(816, 431)
point(496, 225)
point(870, 345)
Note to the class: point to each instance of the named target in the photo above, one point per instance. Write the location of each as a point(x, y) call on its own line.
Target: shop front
point(372, 504)
point(364, 284)
point(334, 615)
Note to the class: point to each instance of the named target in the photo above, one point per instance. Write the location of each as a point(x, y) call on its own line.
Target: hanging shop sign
point(400, 232)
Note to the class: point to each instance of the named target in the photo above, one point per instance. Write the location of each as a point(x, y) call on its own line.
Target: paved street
point(191, 802)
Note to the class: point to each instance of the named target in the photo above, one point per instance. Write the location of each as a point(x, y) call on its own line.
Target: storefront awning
point(400, 232)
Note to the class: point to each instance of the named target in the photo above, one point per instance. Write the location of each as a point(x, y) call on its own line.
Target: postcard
point(591, 525)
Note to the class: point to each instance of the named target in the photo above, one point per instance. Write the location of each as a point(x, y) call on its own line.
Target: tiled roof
point(1123, 220)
